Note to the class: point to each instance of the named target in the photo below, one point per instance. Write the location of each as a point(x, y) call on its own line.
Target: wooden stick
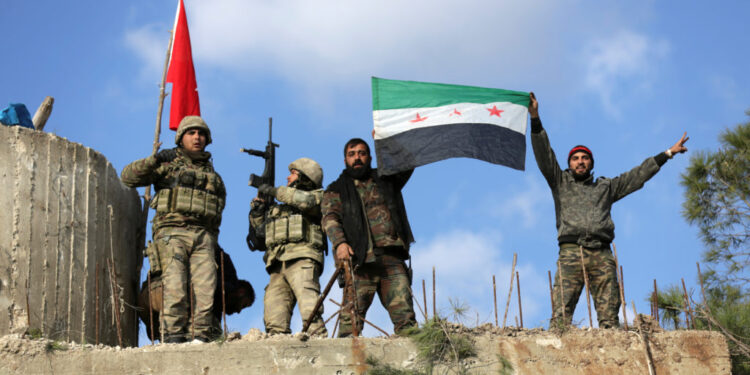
point(516, 318)
point(162, 95)
point(510, 290)
point(494, 295)
point(363, 319)
point(322, 297)
point(150, 308)
point(622, 297)
point(434, 305)
point(518, 289)
point(562, 293)
point(223, 297)
point(703, 294)
point(96, 303)
point(551, 293)
point(336, 314)
point(349, 278)
point(336, 324)
point(656, 303)
point(42, 113)
point(588, 289)
point(621, 284)
point(688, 309)
point(424, 298)
point(416, 301)
point(113, 285)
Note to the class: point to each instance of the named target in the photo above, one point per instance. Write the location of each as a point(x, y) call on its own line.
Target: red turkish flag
point(181, 73)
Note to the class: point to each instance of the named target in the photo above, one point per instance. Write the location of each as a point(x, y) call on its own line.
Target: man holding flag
point(584, 222)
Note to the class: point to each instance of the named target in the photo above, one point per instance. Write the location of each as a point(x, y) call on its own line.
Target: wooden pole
point(42, 113)
point(424, 298)
point(322, 297)
point(363, 319)
point(157, 130)
point(622, 297)
point(703, 294)
point(621, 284)
point(510, 290)
point(688, 309)
point(334, 315)
point(116, 299)
point(588, 289)
point(150, 308)
point(656, 303)
point(551, 293)
point(223, 297)
point(494, 295)
point(416, 301)
point(562, 292)
point(349, 277)
point(518, 289)
point(434, 305)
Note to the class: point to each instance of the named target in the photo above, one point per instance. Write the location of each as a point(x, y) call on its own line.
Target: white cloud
point(326, 44)
point(524, 205)
point(149, 43)
point(623, 62)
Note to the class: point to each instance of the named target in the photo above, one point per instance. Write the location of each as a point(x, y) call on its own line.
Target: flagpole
point(157, 130)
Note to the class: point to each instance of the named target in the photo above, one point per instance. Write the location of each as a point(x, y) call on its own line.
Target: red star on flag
point(494, 111)
point(418, 119)
point(455, 112)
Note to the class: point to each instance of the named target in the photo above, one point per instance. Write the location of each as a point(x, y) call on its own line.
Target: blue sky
point(625, 79)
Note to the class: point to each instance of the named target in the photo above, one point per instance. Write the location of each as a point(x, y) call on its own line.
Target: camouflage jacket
point(163, 176)
point(582, 208)
point(291, 230)
point(384, 230)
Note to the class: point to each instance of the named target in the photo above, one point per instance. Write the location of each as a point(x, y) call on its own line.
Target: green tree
point(717, 200)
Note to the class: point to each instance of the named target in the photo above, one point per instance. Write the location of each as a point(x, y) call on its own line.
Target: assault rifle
point(267, 178)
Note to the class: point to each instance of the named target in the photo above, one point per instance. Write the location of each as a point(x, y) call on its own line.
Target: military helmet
point(310, 169)
point(192, 122)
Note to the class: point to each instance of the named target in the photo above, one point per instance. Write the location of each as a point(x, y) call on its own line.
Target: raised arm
point(307, 201)
point(543, 153)
point(635, 178)
point(142, 172)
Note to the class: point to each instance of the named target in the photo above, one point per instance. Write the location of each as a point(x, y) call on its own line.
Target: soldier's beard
point(358, 173)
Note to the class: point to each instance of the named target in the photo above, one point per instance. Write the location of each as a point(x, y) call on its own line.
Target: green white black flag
point(418, 123)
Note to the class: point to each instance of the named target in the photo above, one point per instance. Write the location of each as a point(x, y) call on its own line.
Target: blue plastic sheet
point(16, 114)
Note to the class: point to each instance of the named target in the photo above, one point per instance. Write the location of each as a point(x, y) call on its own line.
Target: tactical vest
point(286, 224)
point(191, 190)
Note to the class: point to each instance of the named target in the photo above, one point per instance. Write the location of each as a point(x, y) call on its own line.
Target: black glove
point(166, 155)
point(267, 189)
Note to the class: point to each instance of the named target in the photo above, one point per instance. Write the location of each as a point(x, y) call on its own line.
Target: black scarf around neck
point(354, 218)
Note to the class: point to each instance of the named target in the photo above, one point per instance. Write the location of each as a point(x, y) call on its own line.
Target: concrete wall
point(578, 352)
point(63, 214)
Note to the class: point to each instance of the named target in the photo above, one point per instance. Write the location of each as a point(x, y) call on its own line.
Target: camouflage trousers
point(388, 277)
point(602, 275)
point(187, 257)
point(291, 282)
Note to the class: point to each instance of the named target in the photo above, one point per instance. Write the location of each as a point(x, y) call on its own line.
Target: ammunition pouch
point(292, 228)
point(154, 261)
point(192, 193)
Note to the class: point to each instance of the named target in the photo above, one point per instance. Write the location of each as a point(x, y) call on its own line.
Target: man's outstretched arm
point(634, 179)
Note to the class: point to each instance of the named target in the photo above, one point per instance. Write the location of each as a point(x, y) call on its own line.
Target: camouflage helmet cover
point(192, 122)
point(309, 168)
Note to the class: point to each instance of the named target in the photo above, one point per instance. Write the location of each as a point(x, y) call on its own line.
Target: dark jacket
point(582, 208)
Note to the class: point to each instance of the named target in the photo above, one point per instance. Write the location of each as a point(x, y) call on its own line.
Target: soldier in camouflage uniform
point(295, 244)
point(365, 218)
point(189, 201)
point(582, 210)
